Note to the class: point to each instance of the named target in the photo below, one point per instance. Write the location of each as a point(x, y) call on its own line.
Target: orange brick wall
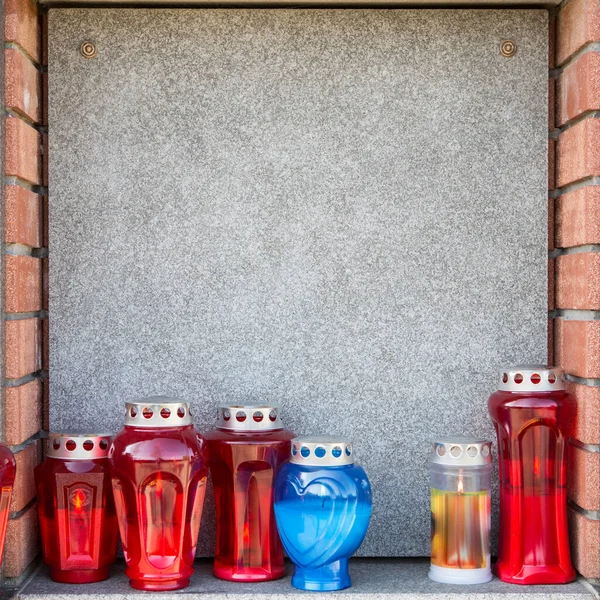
point(575, 250)
point(24, 262)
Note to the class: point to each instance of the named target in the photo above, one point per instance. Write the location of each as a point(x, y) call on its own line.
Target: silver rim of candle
point(322, 451)
point(78, 445)
point(249, 417)
point(158, 412)
point(462, 451)
point(531, 378)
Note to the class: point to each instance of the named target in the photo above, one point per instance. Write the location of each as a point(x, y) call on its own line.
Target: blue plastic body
point(322, 516)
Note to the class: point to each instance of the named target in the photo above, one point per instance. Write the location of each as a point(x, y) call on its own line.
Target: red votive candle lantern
point(159, 481)
point(246, 450)
point(78, 523)
point(8, 468)
point(530, 411)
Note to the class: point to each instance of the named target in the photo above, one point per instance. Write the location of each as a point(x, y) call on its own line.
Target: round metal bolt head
point(508, 48)
point(88, 49)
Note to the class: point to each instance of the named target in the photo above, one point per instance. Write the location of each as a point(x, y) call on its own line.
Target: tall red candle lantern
point(77, 515)
point(159, 481)
point(529, 411)
point(8, 468)
point(246, 450)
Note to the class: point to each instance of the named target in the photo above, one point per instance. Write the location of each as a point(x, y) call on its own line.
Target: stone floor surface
point(375, 579)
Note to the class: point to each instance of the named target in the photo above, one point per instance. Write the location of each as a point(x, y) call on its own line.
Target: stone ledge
point(295, 3)
point(373, 579)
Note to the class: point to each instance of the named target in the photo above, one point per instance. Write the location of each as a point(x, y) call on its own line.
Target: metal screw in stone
point(508, 48)
point(88, 49)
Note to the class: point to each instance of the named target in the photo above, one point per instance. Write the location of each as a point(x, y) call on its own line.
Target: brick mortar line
point(593, 46)
point(587, 381)
point(19, 249)
point(12, 113)
point(574, 314)
point(568, 250)
point(584, 116)
point(15, 181)
point(17, 448)
point(16, 46)
point(593, 515)
point(591, 448)
point(555, 132)
point(573, 186)
point(41, 375)
point(19, 513)
point(34, 314)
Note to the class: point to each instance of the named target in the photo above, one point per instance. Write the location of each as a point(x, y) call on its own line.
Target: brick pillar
point(575, 131)
point(25, 301)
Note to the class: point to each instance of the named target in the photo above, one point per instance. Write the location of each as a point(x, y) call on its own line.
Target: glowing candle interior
point(460, 512)
point(460, 537)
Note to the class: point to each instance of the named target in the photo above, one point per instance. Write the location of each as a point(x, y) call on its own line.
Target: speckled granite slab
point(375, 579)
point(340, 211)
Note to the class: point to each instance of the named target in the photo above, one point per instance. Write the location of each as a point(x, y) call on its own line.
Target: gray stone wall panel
point(341, 211)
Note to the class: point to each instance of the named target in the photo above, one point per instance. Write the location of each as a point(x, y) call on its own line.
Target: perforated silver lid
point(78, 446)
point(531, 378)
point(322, 451)
point(158, 412)
point(249, 417)
point(462, 451)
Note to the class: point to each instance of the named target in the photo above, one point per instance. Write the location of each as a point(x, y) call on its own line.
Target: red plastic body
point(8, 468)
point(243, 466)
point(159, 482)
point(78, 523)
point(534, 539)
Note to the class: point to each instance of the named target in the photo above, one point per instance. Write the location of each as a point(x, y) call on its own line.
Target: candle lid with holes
point(78, 446)
point(462, 452)
point(322, 451)
point(531, 378)
point(249, 417)
point(158, 412)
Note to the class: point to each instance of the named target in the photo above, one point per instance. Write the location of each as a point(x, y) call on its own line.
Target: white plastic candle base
point(459, 576)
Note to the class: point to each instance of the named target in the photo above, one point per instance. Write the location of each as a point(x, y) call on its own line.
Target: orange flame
point(460, 487)
point(159, 485)
point(78, 500)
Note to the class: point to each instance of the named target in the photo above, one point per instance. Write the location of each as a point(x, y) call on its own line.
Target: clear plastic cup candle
point(461, 469)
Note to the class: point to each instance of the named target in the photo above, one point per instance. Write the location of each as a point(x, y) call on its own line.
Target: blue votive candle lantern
point(322, 507)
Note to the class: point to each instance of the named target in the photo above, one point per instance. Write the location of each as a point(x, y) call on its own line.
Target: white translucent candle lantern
point(461, 469)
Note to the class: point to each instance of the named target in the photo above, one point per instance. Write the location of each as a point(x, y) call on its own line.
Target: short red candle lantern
point(530, 411)
point(246, 451)
point(8, 468)
point(77, 514)
point(159, 481)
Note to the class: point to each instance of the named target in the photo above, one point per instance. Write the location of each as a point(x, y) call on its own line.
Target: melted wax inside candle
point(459, 529)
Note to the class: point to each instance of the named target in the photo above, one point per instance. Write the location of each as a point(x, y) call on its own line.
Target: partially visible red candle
point(77, 514)
point(8, 468)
